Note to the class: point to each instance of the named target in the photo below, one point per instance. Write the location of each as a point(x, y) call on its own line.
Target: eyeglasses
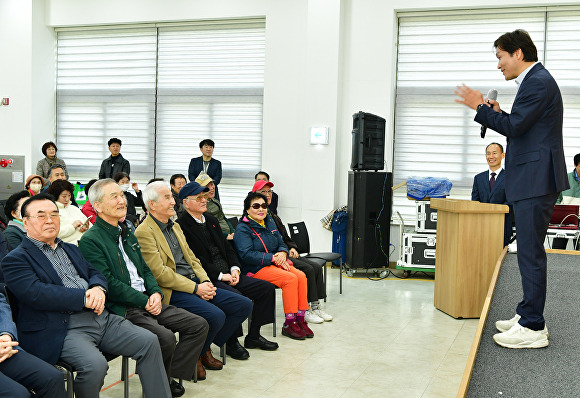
point(258, 205)
point(199, 198)
point(264, 192)
point(45, 217)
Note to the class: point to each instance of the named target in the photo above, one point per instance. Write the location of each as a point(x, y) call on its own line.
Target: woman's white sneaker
point(312, 317)
point(326, 317)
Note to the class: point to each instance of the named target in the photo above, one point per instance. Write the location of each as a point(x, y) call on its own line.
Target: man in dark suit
point(489, 186)
point(535, 174)
point(219, 260)
point(206, 164)
point(20, 371)
point(115, 163)
point(61, 308)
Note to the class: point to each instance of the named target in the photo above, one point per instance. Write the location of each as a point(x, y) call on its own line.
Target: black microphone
point(491, 95)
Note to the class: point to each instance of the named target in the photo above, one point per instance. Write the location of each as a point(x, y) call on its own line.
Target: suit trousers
point(532, 217)
point(179, 358)
point(89, 334)
point(293, 284)
point(262, 293)
point(23, 371)
point(314, 278)
point(224, 313)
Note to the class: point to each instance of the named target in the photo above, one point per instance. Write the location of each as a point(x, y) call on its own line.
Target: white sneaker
point(311, 317)
point(521, 337)
point(326, 317)
point(504, 326)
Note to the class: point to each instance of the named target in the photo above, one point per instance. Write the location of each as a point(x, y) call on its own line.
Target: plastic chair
point(299, 235)
point(233, 221)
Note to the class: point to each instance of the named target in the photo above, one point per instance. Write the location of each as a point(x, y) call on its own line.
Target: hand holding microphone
point(491, 96)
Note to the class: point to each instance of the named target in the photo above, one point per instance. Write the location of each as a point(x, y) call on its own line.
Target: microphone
point(491, 95)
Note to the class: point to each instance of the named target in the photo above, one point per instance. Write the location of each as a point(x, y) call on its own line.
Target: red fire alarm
point(3, 163)
point(5, 101)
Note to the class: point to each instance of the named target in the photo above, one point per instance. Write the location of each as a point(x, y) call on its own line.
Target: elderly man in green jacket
point(133, 292)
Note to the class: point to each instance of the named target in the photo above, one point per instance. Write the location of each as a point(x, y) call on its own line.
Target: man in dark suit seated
point(220, 262)
point(112, 248)
point(489, 186)
point(61, 308)
point(206, 164)
point(535, 173)
point(19, 370)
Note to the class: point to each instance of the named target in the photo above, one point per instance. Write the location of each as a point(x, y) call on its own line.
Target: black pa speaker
point(368, 142)
point(369, 215)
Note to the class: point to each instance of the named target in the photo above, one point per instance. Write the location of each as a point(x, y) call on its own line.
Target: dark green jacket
point(100, 247)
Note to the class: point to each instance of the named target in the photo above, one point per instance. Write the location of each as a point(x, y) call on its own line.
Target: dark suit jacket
point(214, 170)
point(121, 164)
point(44, 304)
point(482, 193)
point(535, 164)
point(197, 242)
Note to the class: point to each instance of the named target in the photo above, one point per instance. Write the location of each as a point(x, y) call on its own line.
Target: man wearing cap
point(112, 248)
point(214, 207)
point(313, 270)
point(182, 279)
point(221, 263)
point(114, 163)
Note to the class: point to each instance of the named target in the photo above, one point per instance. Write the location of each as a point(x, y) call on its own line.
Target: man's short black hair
point(262, 172)
point(48, 145)
point(495, 143)
point(55, 166)
point(40, 196)
point(250, 198)
point(114, 141)
point(175, 177)
point(207, 141)
point(521, 39)
point(154, 179)
point(12, 203)
point(576, 159)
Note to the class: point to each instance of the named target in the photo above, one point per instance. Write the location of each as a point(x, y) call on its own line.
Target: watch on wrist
point(478, 107)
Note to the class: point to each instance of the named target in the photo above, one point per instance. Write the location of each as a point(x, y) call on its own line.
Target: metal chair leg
point(125, 375)
point(340, 276)
point(223, 353)
point(325, 265)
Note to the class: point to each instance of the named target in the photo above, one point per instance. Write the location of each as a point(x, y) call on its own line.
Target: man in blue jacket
point(489, 186)
point(535, 173)
point(20, 371)
point(206, 164)
point(61, 308)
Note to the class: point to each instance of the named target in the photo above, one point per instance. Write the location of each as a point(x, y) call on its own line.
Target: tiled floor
point(386, 340)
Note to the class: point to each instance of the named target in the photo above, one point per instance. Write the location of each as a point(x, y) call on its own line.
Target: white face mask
point(35, 187)
point(125, 187)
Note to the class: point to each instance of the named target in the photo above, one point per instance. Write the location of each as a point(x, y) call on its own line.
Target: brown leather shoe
point(210, 362)
point(200, 370)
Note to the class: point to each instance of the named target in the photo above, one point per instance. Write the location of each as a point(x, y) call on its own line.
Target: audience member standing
point(114, 163)
point(49, 151)
point(206, 164)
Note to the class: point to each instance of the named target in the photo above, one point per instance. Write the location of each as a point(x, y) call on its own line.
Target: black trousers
point(262, 293)
point(179, 358)
point(314, 278)
point(23, 370)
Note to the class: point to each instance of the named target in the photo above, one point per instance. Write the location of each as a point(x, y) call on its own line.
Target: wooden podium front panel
point(468, 245)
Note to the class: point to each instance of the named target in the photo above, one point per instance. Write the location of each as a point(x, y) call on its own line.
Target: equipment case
point(418, 251)
point(426, 217)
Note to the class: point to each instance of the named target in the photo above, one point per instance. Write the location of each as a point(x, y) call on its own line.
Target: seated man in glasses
point(61, 304)
point(220, 262)
point(182, 279)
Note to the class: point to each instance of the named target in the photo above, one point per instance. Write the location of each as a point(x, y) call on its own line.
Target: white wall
point(325, 60)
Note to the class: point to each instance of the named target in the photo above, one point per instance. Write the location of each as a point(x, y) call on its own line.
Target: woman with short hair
point(49, 151)
point(15, 232)
point(73, 223)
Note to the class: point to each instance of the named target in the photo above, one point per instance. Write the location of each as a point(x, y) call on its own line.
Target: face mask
point(35, 187)
point(125, 187)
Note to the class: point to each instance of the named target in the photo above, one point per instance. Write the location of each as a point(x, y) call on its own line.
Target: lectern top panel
point(467, 206)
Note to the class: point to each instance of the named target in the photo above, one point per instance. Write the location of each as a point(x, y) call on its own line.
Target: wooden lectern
point(469, 241)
